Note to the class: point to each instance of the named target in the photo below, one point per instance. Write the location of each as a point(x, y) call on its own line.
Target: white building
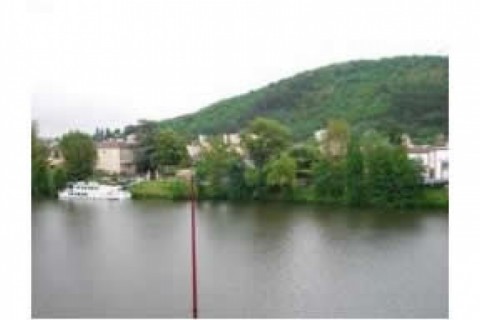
point(194, 150)
point(320, 135)
point(434, 160)
point(196, 147)
point(231, 139)
point(116, 157)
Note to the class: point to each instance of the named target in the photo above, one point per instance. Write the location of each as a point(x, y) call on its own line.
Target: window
point(445, 165)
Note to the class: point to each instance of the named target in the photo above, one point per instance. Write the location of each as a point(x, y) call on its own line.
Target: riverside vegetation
point(79, 155)
point(370, 169)
point(367, 170)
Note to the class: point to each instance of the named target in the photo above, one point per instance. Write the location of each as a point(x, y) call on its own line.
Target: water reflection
point(131, 259)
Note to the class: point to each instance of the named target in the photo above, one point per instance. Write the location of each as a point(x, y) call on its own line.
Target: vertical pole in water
point(194, 250)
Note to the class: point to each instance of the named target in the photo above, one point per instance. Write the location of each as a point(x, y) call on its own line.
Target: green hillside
point(407, 94)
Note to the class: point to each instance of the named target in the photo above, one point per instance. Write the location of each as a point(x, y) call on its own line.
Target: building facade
point(116, 157)
point(434, 160)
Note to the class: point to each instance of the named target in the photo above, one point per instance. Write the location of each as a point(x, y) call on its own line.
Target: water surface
point(131, 259)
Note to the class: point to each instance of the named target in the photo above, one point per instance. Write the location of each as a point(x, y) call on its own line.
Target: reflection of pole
point(194, 250)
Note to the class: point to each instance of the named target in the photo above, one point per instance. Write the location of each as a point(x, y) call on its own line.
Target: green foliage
point(255, 181)
point(359, 170)
point(169, 150)
point(172, 189)
point(264, 139)
point(433, 197)
point(238, 187)
point(145, 153)
point(281, 173)
point(45, 181)
point(39, 167)
point(355, 175)
point(409, 94)
point(305, 155)
point(59, 176)
point(80, 154)
point(330, 179)
point(214, 168)
point(393, 179)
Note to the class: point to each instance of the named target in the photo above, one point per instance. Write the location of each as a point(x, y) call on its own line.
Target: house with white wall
point(116, 157)
point(196, 147)
point(434, 160)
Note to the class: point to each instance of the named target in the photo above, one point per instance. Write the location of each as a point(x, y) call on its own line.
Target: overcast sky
point(110, 63)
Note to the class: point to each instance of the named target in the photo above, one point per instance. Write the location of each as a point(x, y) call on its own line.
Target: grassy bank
point(178, 189)
point(173, 189)
point(433, 198)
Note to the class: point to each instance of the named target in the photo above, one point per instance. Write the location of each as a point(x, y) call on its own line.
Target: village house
point(116, 156)
point(195, 148)
point(434, 160)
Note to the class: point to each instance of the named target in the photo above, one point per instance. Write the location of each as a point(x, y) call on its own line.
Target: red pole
point(194, 252)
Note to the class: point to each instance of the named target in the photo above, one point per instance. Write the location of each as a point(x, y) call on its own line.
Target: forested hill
point(407, 94)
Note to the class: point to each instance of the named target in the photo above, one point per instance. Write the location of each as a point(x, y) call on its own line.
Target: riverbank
point(178, 189)
point(171, 189)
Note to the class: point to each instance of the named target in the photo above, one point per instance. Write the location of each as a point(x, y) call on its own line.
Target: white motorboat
point(92, 190)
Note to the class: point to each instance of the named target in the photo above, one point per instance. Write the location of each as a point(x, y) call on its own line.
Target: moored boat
point(92, 190)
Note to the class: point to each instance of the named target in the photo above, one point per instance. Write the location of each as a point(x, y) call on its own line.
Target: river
point(130, 258)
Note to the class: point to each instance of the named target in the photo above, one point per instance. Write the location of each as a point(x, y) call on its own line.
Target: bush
point(173, 189)
point(435, 197)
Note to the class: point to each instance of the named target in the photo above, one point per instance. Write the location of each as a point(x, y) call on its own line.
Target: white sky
point(110, 63)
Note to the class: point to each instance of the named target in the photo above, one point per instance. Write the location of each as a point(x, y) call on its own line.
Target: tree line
point(368, 169)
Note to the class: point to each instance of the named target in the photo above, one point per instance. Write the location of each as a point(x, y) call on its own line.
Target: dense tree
point(371, 140)
point(281, 173)
point(264, 139)
point(409, 93)
point(238, 188)
point(329, 179)
point(213, 169)
point(145, 152)
point(80, 154)
point(59, 178)
point(306, 155)
point(170, 150)
point(355, 175)
point(39, 166)
point(393, 179)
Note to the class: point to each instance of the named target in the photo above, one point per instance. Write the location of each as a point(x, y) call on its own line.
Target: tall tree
point(39, 165)
point(329, 178)
point(264, 139)
point(214, 169)
point(281, 173)
point(393, 179)
point(170, 150)
point(306, 155)
point(355, 177)
point(145, 153)
point(80, 154)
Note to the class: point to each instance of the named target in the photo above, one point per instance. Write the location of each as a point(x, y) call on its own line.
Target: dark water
point(132, 259)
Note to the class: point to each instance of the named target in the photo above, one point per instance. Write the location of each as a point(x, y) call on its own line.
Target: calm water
point(132, 259)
